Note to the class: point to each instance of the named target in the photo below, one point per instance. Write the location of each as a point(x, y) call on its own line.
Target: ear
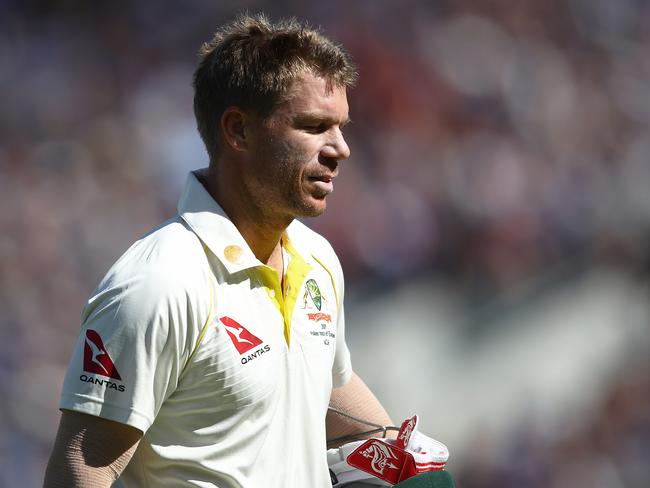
point(233, 128)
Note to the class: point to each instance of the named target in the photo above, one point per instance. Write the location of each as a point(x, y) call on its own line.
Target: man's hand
point(391, 461)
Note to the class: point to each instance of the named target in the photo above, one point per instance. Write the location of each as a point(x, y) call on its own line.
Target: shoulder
point(166, 264)
point(170, 250)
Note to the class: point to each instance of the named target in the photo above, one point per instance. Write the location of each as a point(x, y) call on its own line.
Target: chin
point(312, 212)
point(312, 208)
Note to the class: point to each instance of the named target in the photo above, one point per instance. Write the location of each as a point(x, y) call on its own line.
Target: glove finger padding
point(428, 454)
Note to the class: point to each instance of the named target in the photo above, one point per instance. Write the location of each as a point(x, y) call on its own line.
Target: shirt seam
point(87, 399)
point(204, 329)
point(336, 294)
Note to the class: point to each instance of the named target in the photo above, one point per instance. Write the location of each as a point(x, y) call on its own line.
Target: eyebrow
point(317, 116)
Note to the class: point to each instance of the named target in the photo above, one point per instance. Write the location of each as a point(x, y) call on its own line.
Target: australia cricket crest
point(312, 291)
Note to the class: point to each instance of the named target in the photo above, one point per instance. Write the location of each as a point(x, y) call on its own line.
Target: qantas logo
point(96, 358)
point(242, 339)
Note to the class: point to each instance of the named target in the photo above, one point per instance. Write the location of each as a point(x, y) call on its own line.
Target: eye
point(316, 128)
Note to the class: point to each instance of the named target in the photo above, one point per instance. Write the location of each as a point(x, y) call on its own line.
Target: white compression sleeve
point(357, 401)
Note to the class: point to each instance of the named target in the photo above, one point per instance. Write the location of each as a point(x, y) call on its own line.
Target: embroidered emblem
point(313, 291)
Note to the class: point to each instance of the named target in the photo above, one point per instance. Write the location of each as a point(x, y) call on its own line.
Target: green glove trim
point(430, 479)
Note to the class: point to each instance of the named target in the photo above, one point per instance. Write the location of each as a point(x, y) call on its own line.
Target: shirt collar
point(209, 221)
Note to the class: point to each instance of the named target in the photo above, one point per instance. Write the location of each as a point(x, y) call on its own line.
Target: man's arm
point(89, 451)
point(354, 399)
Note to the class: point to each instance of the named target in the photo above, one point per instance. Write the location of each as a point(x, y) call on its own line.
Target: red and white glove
point(391, 461)
point(343, 474)
point(428, 454)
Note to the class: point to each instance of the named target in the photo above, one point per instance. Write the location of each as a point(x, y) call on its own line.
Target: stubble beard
point(292, 198)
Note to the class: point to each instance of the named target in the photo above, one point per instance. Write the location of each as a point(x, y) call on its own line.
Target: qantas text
point(105, 383)
point(253, 355)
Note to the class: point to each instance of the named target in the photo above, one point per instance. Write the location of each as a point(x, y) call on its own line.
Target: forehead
point(313, 95)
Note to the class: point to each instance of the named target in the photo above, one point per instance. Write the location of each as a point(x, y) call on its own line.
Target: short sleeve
point(138, 331)
point(342, 367)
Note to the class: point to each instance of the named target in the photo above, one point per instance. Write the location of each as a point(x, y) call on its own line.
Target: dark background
point(493, 220)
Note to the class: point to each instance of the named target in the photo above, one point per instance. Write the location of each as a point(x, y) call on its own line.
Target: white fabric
point(426, 451)
point(213, 417)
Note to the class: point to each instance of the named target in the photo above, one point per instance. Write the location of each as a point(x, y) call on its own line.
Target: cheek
point(285, 157)
point(276, 151)
point(294, 156)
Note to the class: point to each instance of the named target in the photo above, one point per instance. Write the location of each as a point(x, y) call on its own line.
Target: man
point(209, 353)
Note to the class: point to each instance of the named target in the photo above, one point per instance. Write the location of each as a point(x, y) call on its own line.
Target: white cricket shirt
point(191, 339)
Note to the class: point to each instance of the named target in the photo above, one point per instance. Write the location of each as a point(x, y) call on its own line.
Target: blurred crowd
point(493, 143)
point(608, 448)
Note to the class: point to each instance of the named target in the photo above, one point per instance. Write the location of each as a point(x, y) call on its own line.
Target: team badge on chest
point(313, 301)
point(312, 292)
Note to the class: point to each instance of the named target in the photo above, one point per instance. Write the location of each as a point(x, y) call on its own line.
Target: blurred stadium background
point(493, 221)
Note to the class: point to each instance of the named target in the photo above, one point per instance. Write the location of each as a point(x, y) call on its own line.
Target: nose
point(336, 147)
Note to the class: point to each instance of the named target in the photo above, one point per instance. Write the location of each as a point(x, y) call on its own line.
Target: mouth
point(323, 184)
point(324, 178)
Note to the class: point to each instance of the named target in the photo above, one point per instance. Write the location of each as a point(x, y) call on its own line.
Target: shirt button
point(233, 254)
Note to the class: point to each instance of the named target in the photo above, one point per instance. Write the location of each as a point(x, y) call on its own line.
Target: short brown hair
point(251, 63)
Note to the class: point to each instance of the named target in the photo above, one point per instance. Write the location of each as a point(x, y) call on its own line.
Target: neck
point(260, 230)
